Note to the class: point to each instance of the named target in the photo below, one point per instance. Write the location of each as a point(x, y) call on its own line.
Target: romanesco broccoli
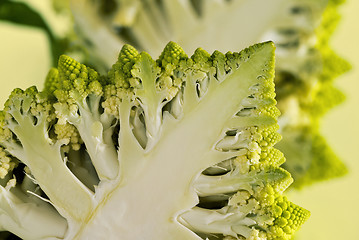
point(177, 148)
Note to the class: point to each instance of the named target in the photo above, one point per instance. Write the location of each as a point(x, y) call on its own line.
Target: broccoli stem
point(235, 181)
point(222, 221)
point(27, 219)
point(96, 132)
point(48, 167)
point(149, 99)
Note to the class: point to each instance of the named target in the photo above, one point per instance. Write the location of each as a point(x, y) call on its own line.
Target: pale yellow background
point(334, 205)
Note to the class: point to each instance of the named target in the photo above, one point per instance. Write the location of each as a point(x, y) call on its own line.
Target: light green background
point(24, 56)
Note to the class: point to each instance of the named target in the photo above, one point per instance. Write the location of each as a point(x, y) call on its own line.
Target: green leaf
point(21, 13)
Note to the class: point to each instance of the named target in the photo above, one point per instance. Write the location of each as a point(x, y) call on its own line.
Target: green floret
point(6, 163)
point(271, 156)
point(120, 74)
point(52, 82)
point(121, 82)
point(263, 216)
point(287, 216)
point(219, 61)
point(325, 98)
point(170, 80)
point(202, 60)
point(69, 134)
point(270, 135)
point(236, 180)
point(78, 92)
point(171, 55)
point(30, 101)
point(333, 65)
point(324, 158)
point(312, 160)
point(74, 76)
point(5, 133)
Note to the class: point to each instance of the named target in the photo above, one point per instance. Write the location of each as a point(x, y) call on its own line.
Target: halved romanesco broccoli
point(177, 148)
